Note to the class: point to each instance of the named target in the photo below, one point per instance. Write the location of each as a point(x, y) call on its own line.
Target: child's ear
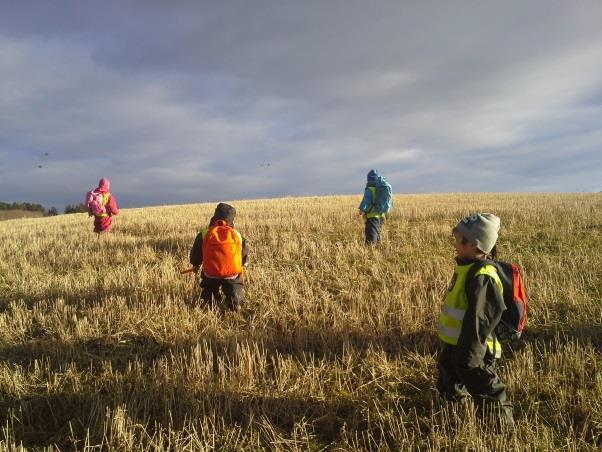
point(478, 251)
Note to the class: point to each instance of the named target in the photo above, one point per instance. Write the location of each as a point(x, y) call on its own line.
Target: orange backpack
point(222, 251)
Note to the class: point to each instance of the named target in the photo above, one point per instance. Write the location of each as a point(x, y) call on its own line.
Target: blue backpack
point(384, 196)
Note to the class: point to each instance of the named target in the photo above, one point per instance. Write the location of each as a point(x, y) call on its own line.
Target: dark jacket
point(485, 308)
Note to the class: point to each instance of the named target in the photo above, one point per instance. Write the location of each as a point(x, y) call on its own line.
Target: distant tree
point(76, 208)
point(31, 207)
point(52, 212)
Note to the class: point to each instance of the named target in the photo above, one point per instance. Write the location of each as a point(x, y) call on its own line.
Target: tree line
point(34, 207)
point(28, 206)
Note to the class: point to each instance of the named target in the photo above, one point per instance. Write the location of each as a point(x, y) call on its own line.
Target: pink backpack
point(95, 202)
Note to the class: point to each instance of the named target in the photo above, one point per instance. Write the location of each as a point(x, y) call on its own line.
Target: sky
point(194, 101)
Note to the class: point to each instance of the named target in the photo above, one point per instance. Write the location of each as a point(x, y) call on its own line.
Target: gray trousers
point(373, 227)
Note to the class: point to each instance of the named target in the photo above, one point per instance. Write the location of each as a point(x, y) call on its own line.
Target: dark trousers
point(233, 291)
point(482, 383)
point(373, 227)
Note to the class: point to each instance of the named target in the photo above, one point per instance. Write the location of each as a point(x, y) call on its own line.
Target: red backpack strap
point(519, 285)
point(520, 293)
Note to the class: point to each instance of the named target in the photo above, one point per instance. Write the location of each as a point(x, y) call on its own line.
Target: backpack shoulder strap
point(204, 232)
point(480, 268)
point(238, 235)
point(477, 267)
point(218, 224)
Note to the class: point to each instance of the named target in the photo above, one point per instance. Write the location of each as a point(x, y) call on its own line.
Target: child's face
point(466, 249)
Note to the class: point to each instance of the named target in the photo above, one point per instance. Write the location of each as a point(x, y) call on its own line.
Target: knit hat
point(480, 229)
point(372, 175)
point(225, 212)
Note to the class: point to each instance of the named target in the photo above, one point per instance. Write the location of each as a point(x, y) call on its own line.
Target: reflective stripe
point(449, 331)
point(495, 348)
point(454, 313)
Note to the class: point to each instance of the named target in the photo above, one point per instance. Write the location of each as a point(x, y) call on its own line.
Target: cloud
point(190, 102)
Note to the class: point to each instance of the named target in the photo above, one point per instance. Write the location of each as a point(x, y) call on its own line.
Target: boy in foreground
point(471, 312)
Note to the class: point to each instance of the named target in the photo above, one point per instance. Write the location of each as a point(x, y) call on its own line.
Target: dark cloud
point(185, 103)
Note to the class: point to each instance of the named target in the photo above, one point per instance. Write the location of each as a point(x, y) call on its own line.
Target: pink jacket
point(104, 224)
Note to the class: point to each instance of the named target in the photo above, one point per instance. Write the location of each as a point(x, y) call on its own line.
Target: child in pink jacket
point(103, 221)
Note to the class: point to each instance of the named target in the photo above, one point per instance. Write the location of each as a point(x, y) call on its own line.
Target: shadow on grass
point(91, 296)
point(59, 416)
point(555, 336)
point(47, 417)
point(66, 418)
point(306, 343)
point(166, 245)
point(93, 355)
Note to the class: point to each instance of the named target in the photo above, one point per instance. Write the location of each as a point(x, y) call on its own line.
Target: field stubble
point(103, 343)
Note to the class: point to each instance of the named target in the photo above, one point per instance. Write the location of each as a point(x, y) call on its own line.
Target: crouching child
point(472, 310)
point(222, 252)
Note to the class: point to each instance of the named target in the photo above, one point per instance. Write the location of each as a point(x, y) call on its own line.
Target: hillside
point(16, 214)
point(13, 210)
point(103, 343)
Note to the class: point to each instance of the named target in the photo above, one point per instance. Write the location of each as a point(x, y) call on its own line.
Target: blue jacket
point(367, 200)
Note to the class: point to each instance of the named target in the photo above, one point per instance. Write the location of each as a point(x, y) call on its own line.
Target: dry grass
point(17, 214)
point(103, 344)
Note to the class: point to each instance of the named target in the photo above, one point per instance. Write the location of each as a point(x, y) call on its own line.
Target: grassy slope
point(16, 214)
point(102, 342)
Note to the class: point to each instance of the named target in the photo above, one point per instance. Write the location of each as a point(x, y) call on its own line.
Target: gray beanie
point(480, 229)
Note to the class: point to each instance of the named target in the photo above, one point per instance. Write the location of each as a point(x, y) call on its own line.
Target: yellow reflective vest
point(456, 304)
point(371, 211)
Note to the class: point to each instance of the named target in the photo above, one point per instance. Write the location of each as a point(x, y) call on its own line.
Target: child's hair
point(493, 252)
point(464, 240)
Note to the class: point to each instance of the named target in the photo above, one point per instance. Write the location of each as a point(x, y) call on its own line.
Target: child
point(471, 311)
point(374, 218)
point(102, 205)
point(222, 251)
